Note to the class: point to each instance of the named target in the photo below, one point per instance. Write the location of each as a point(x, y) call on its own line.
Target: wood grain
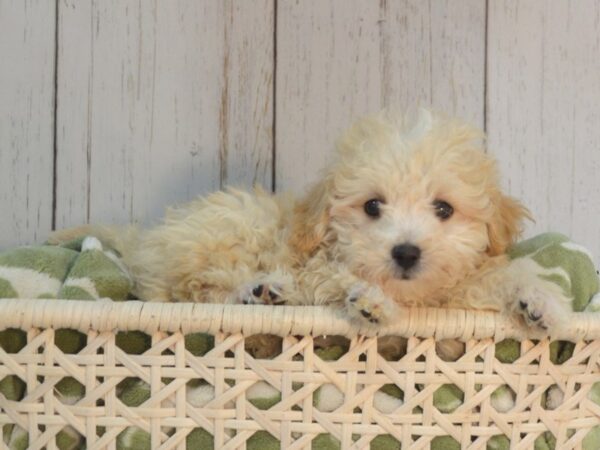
point(339, 60)
point(26, 120)
point(543, 90)
point(74, 112)
point(247, 98)
point(328, 61)
point(434, 56)
point(160, 101)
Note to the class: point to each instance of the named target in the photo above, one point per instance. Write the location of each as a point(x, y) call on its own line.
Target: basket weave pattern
point(296, 373)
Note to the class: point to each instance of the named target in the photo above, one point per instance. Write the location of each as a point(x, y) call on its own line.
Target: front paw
point(261, 294)
point(543, 309)
point(368, 303)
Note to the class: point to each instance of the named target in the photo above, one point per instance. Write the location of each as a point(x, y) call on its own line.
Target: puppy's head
point(414, 206)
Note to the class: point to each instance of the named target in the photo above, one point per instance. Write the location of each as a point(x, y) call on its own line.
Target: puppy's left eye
point(443, 210)
point(371, 207)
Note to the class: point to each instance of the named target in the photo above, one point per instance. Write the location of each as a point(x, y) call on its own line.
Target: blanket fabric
point(83, 269)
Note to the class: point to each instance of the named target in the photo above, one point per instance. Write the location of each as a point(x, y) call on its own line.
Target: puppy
point(410, 213)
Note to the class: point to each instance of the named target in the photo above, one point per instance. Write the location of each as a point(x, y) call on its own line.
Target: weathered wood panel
point(434, 56)
point(247, 99)
point(159, 102)
point(26, 120)
point(543, 90)
point(328, 62)
point(338, 60)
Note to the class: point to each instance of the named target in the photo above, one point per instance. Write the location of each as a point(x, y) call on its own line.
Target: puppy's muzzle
point(406, 255)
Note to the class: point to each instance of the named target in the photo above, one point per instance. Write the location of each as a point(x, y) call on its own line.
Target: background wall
point(112, 109)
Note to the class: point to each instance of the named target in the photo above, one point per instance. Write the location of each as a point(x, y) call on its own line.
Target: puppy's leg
point(518, 289)
point(368, 302)
point(538, 300)
point(237, 285)
point(275, 288)
point(325, 283)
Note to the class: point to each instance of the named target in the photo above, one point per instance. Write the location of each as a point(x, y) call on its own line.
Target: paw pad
point(263, 294)
point(532, 315)
point(367, 315)
point(368, 304)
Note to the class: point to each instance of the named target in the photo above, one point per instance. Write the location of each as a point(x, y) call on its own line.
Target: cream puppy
point(410, 213)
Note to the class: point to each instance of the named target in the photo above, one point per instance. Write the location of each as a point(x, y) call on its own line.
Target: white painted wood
point(434, 56)
point(159, 102)
point(543, 114)
point(328, 62)
point(339, 60)
point(74, 112)
point(26, 120)
point(247, 99)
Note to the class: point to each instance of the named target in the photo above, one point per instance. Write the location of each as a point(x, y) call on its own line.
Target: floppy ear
point(506, 224)
point(311, 219)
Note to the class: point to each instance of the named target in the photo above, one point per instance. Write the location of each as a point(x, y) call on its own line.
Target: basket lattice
point(228, 418)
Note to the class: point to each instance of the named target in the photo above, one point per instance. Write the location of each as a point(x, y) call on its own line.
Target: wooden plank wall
point(543, 110)
point(27, 62)
point(110, 110)
point(159, 101)
point(337, 60)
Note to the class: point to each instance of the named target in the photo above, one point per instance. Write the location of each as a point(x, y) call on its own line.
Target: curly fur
point(324, 249)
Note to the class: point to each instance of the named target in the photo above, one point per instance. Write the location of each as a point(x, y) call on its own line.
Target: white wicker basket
point(296, 373)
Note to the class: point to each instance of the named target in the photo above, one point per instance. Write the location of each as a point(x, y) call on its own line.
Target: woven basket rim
point(150, 317)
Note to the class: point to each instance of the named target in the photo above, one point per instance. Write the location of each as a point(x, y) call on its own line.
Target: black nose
point(406, 255)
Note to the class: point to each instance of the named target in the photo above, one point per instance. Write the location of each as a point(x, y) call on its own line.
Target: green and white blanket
point(83, 269)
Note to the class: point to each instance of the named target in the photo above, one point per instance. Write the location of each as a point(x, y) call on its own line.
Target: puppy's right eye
point(443, 210)
point(371, 207)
